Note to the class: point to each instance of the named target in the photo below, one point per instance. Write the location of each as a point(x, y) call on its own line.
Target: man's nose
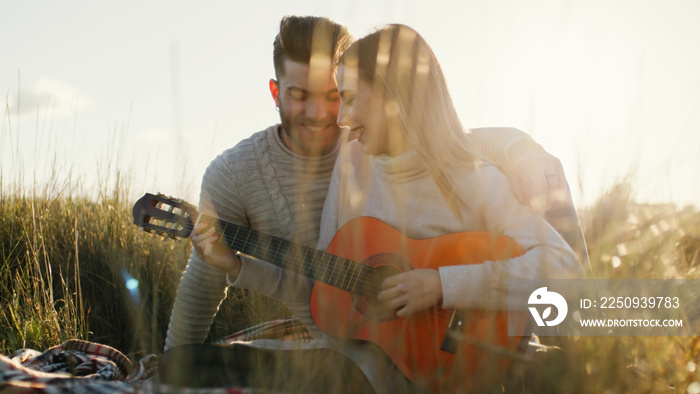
point(316, 108)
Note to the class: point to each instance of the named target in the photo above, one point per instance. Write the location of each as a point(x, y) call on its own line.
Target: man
point(276, 181)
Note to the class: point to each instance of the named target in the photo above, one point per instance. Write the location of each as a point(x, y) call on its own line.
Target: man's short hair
point(300, 37)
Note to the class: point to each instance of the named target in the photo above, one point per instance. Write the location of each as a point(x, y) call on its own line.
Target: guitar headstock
point(166, 216)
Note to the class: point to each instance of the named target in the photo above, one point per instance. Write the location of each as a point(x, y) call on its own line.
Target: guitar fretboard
point(324, 267)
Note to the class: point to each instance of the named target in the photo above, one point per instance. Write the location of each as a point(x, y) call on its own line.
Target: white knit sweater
point(400, 191)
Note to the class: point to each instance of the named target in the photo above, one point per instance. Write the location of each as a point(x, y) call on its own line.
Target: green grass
point(627, 240)
point(64, 267)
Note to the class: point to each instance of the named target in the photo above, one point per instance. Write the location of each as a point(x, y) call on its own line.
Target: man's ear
point(274, 90)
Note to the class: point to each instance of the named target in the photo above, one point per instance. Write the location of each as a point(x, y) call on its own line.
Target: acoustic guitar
point(437, 349)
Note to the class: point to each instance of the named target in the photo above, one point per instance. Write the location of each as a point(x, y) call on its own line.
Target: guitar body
point(414, 343)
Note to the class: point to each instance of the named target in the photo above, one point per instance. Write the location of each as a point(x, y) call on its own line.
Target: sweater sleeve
point(495, 142)
point(202, 288)
point(547, 255)
point(289, 287)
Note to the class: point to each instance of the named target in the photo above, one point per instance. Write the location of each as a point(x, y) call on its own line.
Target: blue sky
point(157, 89)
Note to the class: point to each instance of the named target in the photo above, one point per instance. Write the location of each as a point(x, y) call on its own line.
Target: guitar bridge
point(454, 331)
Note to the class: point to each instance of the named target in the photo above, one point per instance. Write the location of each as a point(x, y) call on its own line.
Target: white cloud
point(50, 96)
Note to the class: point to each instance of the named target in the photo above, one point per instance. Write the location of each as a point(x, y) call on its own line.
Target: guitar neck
point(315, 264)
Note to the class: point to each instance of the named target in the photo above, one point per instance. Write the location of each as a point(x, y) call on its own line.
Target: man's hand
point(411, 291)
point(537, 178)
point(204, 240)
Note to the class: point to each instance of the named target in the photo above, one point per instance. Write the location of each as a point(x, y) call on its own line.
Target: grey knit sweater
point(259, 184)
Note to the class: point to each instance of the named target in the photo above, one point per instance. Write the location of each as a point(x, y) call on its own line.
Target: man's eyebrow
point(296, 89)
point(304, 91)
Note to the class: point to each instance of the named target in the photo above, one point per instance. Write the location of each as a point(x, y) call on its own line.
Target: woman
point(413, 167)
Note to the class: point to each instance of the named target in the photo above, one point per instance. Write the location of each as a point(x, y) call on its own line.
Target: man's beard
point(292, 136)
point(287, 123)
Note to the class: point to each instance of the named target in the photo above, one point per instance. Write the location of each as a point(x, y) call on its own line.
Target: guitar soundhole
point(383, 266)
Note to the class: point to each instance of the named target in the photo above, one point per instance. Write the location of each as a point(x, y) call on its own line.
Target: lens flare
point(132, 285)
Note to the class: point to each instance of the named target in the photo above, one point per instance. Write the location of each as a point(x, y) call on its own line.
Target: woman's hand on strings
point(411, 291)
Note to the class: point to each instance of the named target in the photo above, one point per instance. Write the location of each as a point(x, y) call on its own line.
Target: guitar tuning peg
point(173, 237)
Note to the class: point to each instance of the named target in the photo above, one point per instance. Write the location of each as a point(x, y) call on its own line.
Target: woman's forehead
point(347, 77)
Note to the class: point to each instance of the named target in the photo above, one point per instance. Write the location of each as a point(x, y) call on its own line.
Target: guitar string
point(442, 315)
point(308, 265)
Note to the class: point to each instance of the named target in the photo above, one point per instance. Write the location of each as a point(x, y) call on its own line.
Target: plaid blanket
point(85, 367)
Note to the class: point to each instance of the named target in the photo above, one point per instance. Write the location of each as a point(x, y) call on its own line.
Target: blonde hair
point(397, 59)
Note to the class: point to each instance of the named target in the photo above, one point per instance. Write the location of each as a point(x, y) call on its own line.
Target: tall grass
point(76, 268)
point(67, 264)
point(627, 240)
